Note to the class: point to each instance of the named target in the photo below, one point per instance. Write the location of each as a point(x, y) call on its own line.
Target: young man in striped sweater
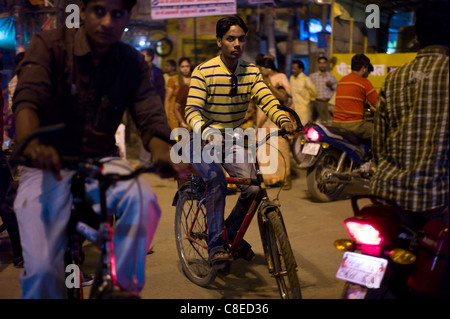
point(221, 89)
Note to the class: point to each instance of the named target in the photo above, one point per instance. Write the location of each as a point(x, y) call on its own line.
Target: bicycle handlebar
point(280, 132)
point(88, 166)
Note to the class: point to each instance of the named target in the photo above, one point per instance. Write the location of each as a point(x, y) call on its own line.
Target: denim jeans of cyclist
point(213, 175)
point(43, 207)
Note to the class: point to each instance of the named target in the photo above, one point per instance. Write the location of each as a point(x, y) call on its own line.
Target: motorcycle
point(395, 261)
point(333, 157)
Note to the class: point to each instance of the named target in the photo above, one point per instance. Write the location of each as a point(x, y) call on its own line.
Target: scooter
point(387, 259)
point(333, 158)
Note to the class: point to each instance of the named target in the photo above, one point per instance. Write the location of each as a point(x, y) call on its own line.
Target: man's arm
point(266, 101)
point(333, 81)
point(196, 101)
point(31, 97)
point(371, 95)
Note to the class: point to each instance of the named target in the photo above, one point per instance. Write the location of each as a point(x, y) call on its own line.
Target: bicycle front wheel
point(191, 236)
point(278, 252)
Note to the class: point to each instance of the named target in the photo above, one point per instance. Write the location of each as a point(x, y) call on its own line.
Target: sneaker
point(86, 279)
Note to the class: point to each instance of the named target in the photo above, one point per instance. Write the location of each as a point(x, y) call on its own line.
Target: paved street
point(312, 228)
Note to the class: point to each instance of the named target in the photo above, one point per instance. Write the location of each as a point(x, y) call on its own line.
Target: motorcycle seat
point(349, 136)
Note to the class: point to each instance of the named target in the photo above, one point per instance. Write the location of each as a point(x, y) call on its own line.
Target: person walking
point(303, 91)
point(278, 84)
point(325, 84)
point(173, 85)
point(158, 81)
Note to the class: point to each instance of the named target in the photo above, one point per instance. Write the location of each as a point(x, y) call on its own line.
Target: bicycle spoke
point(192, 239)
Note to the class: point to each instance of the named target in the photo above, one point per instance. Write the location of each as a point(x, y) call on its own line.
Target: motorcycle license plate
point(311, 148)
point(363, 270)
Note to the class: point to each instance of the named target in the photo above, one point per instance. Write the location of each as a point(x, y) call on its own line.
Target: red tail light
point(312, 135)
point(363, 233)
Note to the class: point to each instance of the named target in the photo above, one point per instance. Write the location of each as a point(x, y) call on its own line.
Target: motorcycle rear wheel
point(319, 187)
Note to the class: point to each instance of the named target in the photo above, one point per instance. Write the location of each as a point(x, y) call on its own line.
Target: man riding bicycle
point(86, 79)
point(221, 89)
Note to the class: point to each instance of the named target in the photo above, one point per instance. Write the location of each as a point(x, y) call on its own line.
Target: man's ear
point(219, 42)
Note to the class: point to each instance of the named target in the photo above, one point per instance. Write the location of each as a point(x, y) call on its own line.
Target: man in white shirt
point(325, 83)
point(303, 91)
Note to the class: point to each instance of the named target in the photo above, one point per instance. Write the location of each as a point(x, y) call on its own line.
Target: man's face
point(296, 70)
point(168, 67)
point(105, 21)
point(232, 43)
point(147, 58)
point(323, 64)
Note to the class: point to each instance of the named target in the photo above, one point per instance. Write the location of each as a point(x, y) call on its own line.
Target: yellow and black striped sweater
point(209, 96)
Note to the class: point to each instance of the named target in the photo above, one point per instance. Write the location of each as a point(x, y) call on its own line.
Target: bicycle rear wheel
point(278, 252)
point(191, 234)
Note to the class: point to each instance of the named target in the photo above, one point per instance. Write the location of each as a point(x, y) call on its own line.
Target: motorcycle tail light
point(312, 135)
point(363, 233)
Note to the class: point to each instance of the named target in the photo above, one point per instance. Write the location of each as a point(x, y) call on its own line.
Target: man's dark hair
point(358, 61)
point(172, 63)
point(322, 58)
point(432, 23)
point(299, 64)
point(268, 63)
point(259, 59)
point(127, 4)
point(150, 52)
point(224, 24)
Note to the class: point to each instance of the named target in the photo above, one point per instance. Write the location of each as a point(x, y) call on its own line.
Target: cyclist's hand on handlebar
point(161, 155)
point(44, 157)
point(168, 169)
point(289, 128)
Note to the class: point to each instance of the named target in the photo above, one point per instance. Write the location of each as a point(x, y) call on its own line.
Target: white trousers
point(43, 208)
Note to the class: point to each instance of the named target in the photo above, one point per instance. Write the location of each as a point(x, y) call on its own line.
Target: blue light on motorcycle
point(312, 135)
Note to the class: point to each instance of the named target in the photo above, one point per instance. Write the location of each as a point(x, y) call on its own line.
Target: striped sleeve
point(267, 102)
point(196, 100)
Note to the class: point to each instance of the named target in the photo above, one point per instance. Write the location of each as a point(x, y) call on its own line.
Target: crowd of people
point(410, 133)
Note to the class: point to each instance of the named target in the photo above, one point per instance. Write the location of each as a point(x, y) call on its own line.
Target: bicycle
point(191, 230)
point(83, 224)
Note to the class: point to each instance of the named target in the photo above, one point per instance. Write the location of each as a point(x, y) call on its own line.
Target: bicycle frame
point(84, 169)
point(260, 197)
point(105, 233)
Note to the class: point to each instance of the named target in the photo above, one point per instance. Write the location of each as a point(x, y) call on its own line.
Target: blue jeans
point(216, 184)
point(43, 207)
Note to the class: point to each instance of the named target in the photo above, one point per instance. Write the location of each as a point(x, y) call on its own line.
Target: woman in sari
point(173, 85)
point(278, 83)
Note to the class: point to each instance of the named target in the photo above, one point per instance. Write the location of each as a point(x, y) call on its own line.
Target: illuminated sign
point(174, 9)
